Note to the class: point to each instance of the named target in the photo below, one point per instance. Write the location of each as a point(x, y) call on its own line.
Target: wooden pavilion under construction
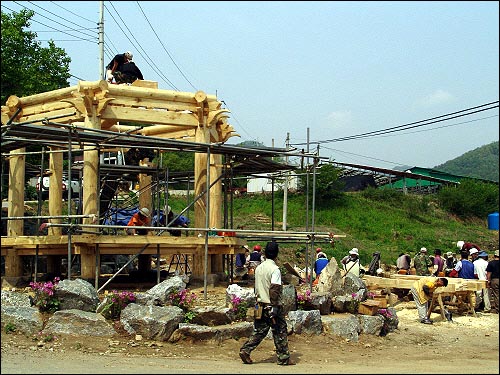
point(89, 118)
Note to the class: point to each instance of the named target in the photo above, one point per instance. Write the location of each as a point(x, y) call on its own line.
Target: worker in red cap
point(320, 253)
point(254, 259)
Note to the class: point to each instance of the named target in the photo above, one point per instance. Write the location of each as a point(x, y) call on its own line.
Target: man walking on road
point(269, 314)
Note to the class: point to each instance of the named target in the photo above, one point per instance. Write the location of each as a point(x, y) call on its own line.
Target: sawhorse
point(180, 260)
point(460, 301)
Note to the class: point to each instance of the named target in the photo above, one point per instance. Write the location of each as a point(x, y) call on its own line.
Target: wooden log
point(168, 95)
point(149, 116)
point(55, 189)
point(17, 168)
point(39, 117)
point(13, 102)
point(46, 108)
point(145, 83)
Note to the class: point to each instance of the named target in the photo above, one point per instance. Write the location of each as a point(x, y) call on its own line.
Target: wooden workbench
point(457, 287)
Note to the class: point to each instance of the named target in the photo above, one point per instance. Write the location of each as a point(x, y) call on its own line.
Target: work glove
point(274, 312)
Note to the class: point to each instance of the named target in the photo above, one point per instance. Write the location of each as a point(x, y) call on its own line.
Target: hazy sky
point(338, 69)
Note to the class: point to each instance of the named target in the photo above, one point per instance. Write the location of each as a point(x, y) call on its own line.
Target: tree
point(329, 189)
point(27, 67)
point(470, 198)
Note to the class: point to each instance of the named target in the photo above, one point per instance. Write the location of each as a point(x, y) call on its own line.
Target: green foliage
point(329, 189)
point(44, 298)
point(481, 162)
point(9, 327)
point(470, 198)
point(30, 193)
point(27, 68)
point(400, 223)
point(115, 302)
point(189, 316)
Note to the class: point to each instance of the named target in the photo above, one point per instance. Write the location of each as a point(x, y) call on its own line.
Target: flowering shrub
point(238, 307)
point(182, 299)
point(44, 295)
point(115, 303)
point(356, 296)
point(389, 320)
point(302, 298)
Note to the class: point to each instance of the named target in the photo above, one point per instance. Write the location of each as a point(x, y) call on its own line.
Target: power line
point(50, 27)
point(78, 15)
point(411, 125)
point(168, 53)
point(50, 19)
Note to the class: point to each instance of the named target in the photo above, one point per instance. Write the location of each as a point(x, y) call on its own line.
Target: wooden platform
point(90, 247)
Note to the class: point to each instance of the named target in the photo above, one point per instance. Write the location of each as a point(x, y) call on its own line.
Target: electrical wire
point(59, 23)
point(78, 15)
point(168, 53)
point(411, 125)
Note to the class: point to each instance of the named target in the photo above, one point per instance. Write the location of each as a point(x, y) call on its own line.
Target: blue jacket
point(319, 265)
point(467, 270)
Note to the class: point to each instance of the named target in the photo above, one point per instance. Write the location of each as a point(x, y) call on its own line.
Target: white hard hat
point(473, 251)
point(128, 55)
point(354, 251)
point(460, 244)
point(423, 250)
point(144, 211)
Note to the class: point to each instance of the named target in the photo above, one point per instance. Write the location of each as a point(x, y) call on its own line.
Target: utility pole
point(285, 187)
point(101, 40)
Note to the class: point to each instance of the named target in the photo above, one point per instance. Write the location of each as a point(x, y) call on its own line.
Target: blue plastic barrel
point(493, 221)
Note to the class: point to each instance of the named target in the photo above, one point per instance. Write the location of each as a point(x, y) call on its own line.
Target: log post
point(145, 200)
point(17, 166)
point(55, 189)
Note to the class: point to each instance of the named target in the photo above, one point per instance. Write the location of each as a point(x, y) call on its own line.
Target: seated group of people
point(247, 262)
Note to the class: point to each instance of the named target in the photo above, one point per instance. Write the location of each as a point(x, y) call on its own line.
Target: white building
point(264, 184)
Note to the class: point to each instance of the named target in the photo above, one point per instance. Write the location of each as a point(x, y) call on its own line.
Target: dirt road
point(467, 345)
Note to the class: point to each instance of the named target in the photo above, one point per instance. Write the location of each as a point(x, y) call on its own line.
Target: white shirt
point(480, 268)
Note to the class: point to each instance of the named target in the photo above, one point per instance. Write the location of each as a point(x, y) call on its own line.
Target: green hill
point(481, 162)
point(386, 225)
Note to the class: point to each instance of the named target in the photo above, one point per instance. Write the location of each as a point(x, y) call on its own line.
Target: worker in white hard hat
point(463, 245)
point(139, 219)
point(351, 262)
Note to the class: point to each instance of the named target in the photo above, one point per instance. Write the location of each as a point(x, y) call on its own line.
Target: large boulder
point(23, 319)
point(330, 280)
point(78, 322)
point(15, 299)
point(76, 294)
point(152, 322)
point(159, 294)
point(305, 322)
point(246, 295)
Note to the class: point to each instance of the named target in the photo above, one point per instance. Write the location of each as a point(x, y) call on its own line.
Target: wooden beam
point(160, 117)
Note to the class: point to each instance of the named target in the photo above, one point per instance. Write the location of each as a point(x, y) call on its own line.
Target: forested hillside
point(481, 162)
